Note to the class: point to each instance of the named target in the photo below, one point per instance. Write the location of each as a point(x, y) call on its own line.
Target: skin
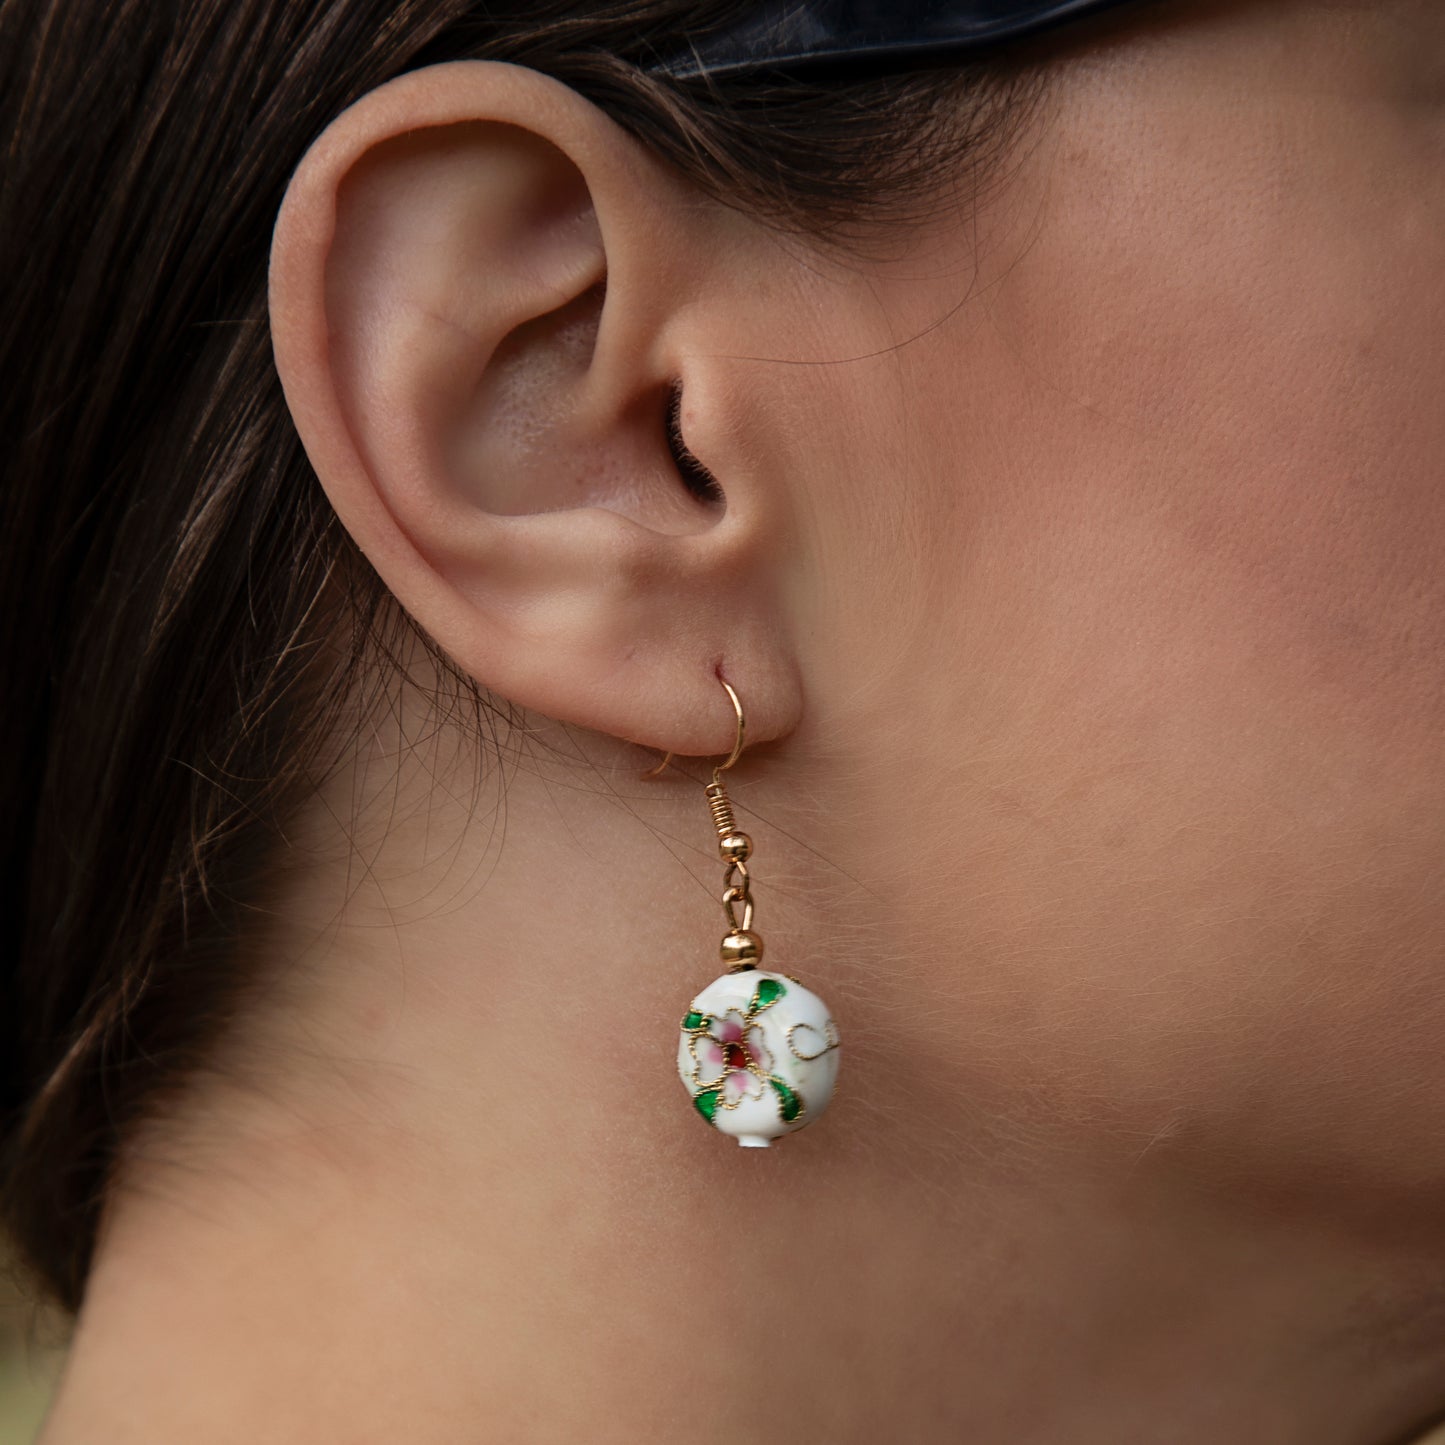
point(1080, 575)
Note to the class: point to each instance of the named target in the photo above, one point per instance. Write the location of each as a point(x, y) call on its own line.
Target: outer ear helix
point(560, 555)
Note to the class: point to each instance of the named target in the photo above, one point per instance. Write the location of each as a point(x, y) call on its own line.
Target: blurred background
point(32, 1346)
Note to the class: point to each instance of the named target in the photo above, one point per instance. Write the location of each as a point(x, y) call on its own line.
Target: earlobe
point(477, 282)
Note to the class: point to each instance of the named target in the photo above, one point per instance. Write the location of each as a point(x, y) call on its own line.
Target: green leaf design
point(770, 990)
point(790, 1102)
point(695, 1020)
point(706, 1103)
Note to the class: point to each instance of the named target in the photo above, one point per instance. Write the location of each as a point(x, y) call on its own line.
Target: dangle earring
point(758, 1052)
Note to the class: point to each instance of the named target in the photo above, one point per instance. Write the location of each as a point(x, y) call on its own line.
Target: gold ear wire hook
point(737, 745)
point(737, 751)
point(741, 948)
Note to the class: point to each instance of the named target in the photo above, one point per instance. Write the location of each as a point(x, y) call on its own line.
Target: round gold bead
point(735, 847)
point(741, 947)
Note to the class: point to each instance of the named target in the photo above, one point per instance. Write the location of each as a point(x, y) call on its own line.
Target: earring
point(758, 1052)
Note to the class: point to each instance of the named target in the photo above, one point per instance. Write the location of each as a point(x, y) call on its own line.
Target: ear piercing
point(758, 1052)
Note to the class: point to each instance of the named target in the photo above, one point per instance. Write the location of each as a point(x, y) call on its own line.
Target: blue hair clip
point(797, 33)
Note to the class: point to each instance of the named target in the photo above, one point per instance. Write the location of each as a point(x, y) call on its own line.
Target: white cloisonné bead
point(759, 1055)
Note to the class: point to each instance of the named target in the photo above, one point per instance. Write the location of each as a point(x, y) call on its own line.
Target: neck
point(461, 1198)
point(435, 1287)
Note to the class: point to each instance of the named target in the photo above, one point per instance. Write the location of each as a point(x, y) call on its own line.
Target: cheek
point(1249, 366)
point(1295, 470)
point(1185, 676)
point(1232, 379)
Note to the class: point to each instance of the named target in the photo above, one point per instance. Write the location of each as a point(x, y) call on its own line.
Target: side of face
point(1126, 568)
point(1079, 561)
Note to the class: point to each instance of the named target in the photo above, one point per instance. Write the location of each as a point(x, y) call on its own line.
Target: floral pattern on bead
point(731, 1057)
point(732, 1063)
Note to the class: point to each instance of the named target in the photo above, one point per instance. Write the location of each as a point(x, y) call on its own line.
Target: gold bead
point(735, 847)
point(741, 948)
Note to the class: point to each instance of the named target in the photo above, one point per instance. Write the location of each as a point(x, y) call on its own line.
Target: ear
point(481, 291)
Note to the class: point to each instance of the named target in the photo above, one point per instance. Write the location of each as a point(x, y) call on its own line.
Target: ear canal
point(695, 476)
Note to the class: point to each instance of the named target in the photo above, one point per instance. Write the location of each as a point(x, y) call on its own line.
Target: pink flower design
point(731, 1056)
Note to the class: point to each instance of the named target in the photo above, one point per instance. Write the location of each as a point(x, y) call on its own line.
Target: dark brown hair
point(186, 627)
